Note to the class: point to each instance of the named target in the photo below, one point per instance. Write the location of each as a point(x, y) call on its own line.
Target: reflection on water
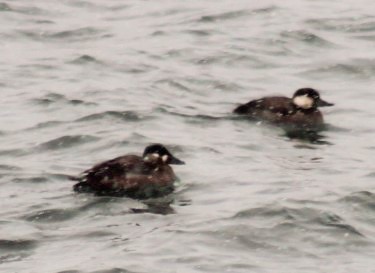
point(309, 136)
point(157, 208)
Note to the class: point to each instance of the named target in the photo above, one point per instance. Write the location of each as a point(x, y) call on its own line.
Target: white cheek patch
point(303, 102)
point(156, 155)
point(164, 158)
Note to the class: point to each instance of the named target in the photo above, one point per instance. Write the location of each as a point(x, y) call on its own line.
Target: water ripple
point(306, 218)
point(236, 14)
point(27, 10)
point(4, 167)
point(79, 34)
point(364, 199)
point(356, 68)
point(349, 24)
point(121, 115)
point(11, 245)
point(86, 59)
point(52, 98)
point(306, 37)
point(66, 142)
point(223, 16)
point(46, 124)
point(36, 179)
point(75, 35)
point(5, 7)
point(13, 152)
point(51, 215)
point(114, 270)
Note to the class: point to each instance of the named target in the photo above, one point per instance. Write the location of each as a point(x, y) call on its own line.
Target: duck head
point(158, 151)
point(308, 98)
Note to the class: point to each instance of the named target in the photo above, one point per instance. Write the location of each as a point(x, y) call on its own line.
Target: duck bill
point(176, 161)
point(322, 103)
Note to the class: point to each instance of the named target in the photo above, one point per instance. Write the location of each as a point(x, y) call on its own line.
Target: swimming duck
point(300, 111)
point(134, 176)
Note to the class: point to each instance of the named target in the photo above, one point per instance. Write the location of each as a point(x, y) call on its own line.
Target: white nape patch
point(155, 155)
point(164, 158)
point(303, 102)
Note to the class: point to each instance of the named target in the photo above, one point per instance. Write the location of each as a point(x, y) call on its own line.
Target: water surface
point(85, 81)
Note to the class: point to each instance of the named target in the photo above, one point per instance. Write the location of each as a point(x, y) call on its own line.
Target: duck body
point(299, 112)
point(134, 176)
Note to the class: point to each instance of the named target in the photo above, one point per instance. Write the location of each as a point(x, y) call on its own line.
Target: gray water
point(86, 81)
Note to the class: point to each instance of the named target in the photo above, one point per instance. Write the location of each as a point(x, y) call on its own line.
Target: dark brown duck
point(300, 111)
point(130, 175)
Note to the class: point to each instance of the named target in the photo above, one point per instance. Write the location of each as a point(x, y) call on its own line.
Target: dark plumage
point(300, 111)
point(130, 175)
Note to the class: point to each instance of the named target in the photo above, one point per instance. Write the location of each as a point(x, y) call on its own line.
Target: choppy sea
point(82, 81)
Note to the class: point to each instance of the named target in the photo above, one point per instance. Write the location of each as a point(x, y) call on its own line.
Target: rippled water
point(85, 81)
